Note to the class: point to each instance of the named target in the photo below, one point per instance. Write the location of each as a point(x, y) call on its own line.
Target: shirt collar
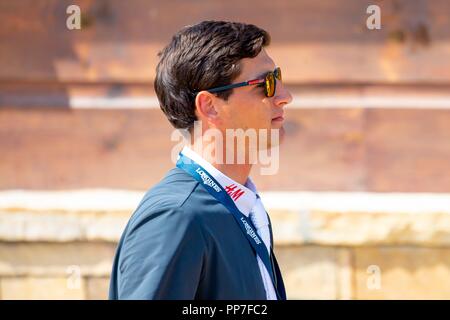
point(244, 196)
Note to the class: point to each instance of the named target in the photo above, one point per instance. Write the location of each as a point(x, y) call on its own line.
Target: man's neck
point(235, 171)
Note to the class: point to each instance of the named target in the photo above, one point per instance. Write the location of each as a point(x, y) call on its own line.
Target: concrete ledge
point(355, 219)
point(325, 218)
point(44, 259)
point(329, 245)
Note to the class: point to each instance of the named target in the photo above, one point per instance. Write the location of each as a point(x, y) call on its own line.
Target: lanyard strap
point(215, 189)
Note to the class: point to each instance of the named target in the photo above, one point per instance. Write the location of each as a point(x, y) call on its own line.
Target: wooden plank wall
point(49, 140)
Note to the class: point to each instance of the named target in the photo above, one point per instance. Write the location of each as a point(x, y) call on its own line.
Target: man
point(202, 232)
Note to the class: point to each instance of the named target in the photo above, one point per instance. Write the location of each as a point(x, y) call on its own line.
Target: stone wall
point(60, 245)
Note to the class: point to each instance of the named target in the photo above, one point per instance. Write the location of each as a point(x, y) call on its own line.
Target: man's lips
point(279, 118)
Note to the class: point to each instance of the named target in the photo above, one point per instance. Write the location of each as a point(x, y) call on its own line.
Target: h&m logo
point(234, 192)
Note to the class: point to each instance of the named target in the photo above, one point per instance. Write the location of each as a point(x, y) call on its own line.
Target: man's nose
point(282, 95)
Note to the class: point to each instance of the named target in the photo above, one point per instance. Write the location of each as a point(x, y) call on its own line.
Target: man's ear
point(206, 106)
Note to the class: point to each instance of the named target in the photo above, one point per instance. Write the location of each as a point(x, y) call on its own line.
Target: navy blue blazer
point(181, 243)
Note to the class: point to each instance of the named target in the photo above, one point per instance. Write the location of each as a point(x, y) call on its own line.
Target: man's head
point(213, 54)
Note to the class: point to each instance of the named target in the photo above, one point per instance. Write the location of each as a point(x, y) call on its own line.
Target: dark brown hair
point(201, 57)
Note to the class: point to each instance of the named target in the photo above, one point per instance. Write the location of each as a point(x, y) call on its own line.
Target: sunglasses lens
point(270, 84)
point(278, 73)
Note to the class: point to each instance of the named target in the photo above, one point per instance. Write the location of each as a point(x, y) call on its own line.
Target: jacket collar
point(244, 196)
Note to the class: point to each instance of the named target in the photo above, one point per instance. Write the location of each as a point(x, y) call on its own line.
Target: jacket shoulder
point(176, 192)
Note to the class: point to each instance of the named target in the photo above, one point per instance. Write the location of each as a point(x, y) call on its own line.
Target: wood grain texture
point(343, 149)
point(319, 41)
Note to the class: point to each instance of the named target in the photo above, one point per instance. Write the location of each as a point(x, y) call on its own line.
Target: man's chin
point(275, 137)
point(277, 140)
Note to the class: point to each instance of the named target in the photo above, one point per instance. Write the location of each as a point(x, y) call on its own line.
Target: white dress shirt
point(249, 203)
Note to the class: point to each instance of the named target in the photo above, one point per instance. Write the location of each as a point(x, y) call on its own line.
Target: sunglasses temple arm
point(230, 86)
